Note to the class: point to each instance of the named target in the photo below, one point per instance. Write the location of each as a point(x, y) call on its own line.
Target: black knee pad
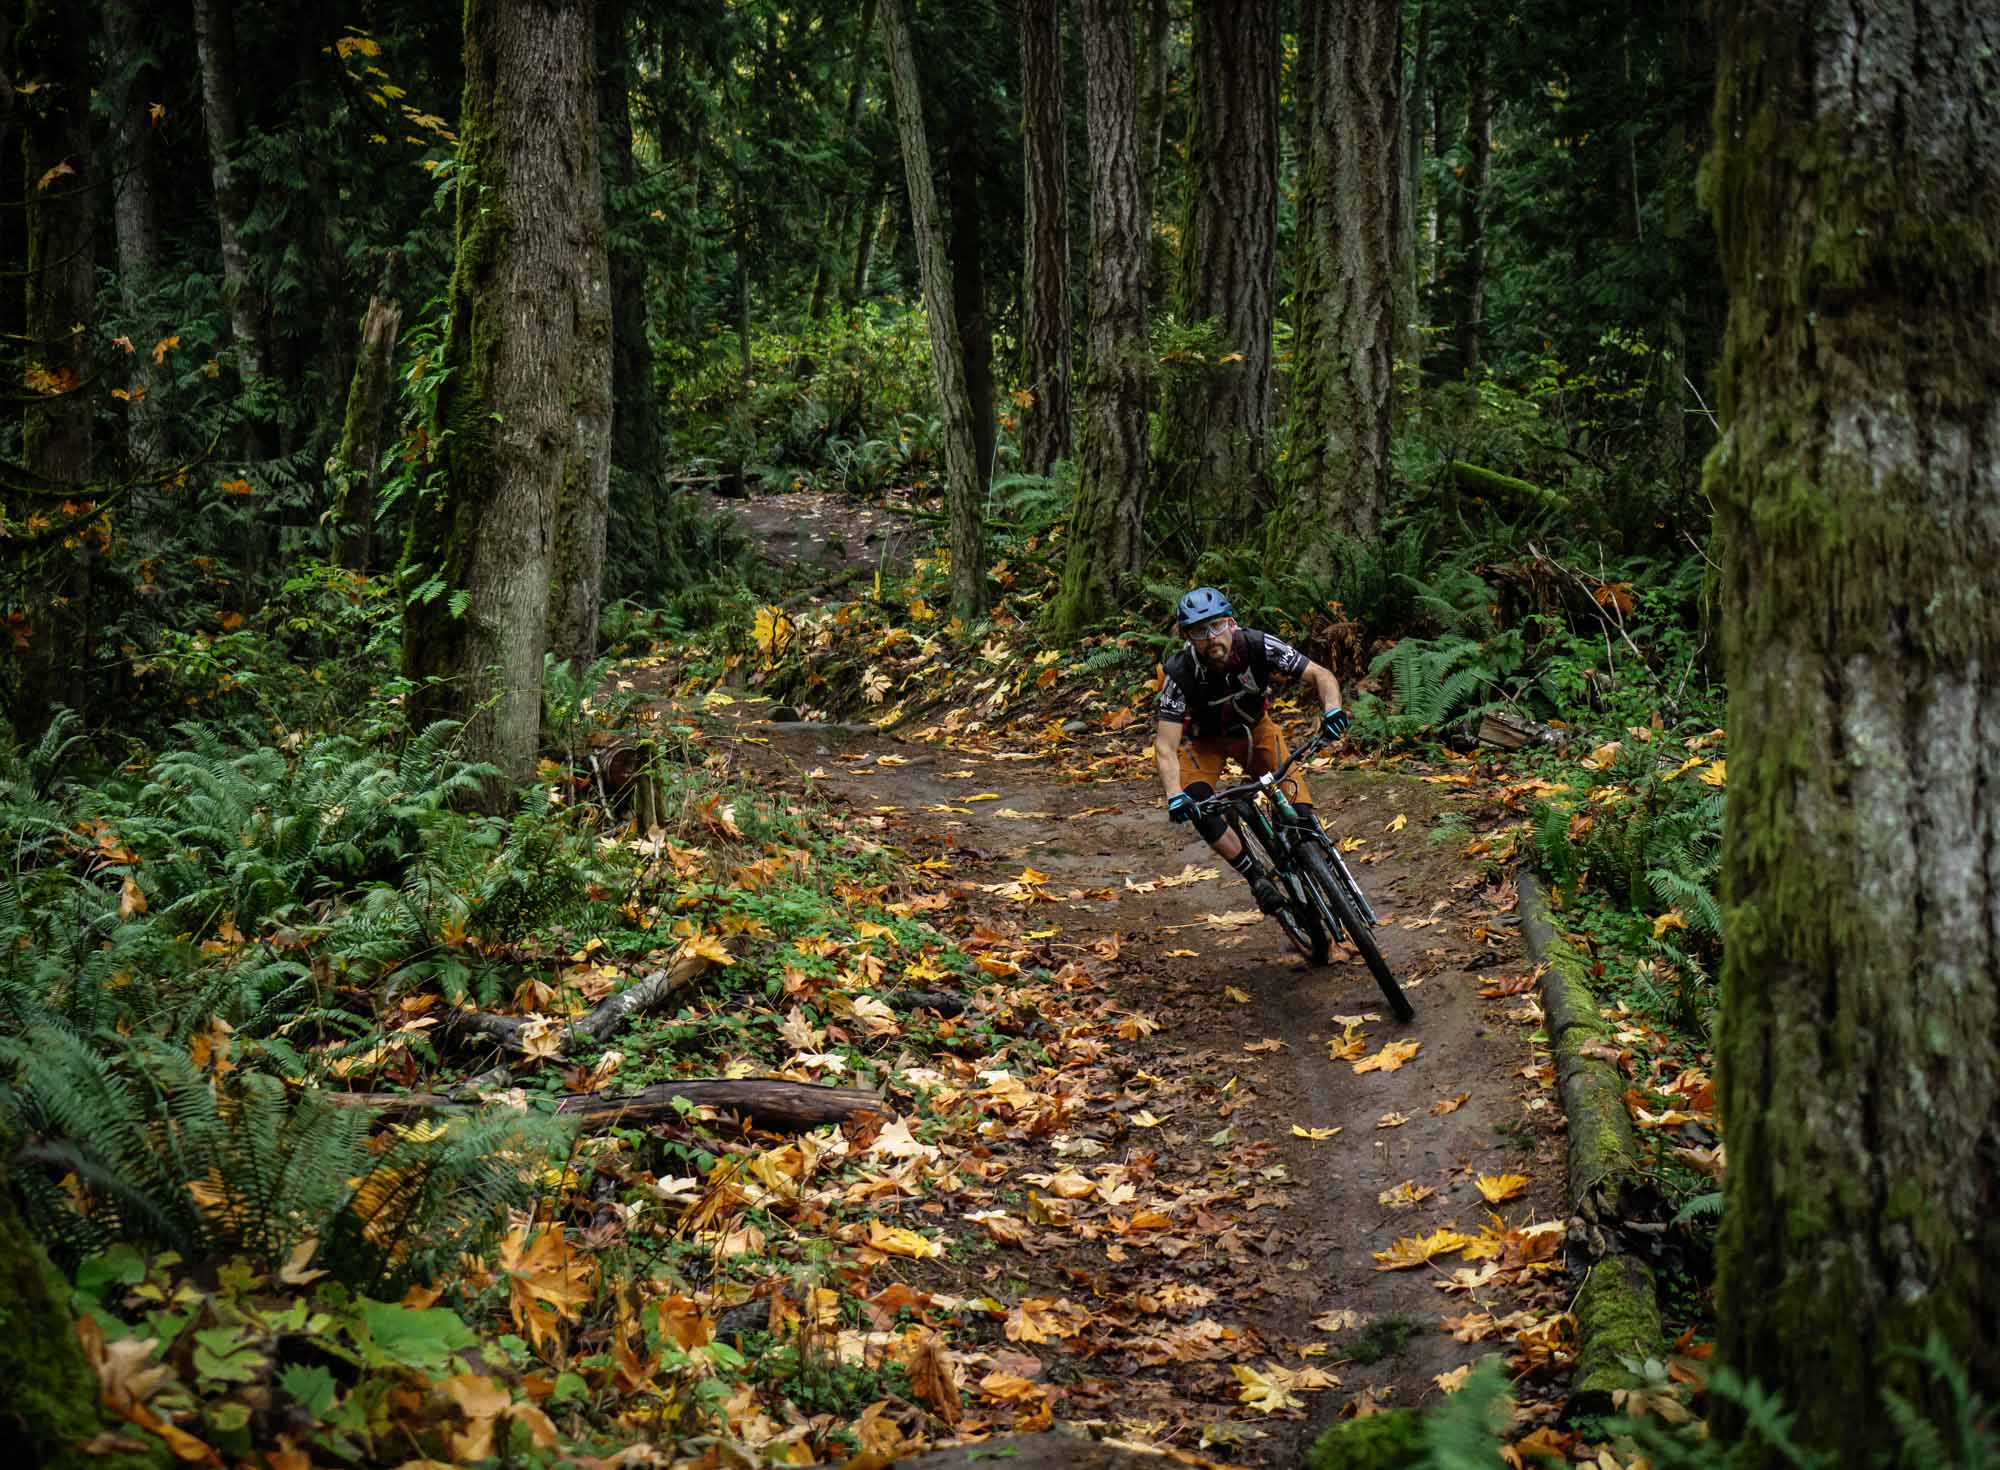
point(1211, 824)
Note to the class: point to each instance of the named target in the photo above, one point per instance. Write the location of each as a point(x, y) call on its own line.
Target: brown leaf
point(931, 1377)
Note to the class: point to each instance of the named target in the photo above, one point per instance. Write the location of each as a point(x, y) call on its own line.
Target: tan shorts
point(1206, 759)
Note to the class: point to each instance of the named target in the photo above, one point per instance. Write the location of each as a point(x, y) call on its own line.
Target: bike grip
point(1180, 807)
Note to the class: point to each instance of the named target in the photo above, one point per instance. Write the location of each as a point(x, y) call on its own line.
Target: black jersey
point(1210, 702)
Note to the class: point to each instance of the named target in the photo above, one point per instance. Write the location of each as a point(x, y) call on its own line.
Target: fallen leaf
point(1404, 1195)
point(1269, 1043)
point(1315, 1134)
point(1242, 998)
point(1398, 824)
point(1449, 1104)
point(1453, 1381)
point(1390, 1058)
point(1392, 1120)
point(897, 1240)
point(1417, 1250)
point(1502, 1187)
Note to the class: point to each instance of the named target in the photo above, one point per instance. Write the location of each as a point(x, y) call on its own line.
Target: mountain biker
point(1213, 708)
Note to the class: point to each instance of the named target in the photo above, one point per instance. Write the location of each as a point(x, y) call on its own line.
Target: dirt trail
point(1204, 1107)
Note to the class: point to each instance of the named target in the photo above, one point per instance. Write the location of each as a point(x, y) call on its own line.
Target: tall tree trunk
point(1045, 424)
point(841, 208)
point(1216, 423)
point(1344, 353)
point(1410, 277)
point(964, 473)
point(1155, 78)
point(1105, 533)
point(357, 463)
point(583, 499)
point(870, 231)
point(52, 57)
point(528, 289)
point(1856, 189)
point(635, 413)
point(1469, 295)
point(235, 193)
point(968, 287)
point(135, 218)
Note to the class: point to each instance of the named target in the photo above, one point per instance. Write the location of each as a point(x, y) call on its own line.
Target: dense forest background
point(387, 379)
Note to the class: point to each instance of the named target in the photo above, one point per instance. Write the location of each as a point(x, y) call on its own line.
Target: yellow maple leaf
point(1453, 1381)
point(1671, 919)
point(1390, 1058)
point(1241, 997)
point(548, 1283)
point(1397, 824)
point(1417, 1250)
point(1717, 774)
point(1260, 1392)
point(1315, 1134)
point(897, 1240)
point(1500, 1187)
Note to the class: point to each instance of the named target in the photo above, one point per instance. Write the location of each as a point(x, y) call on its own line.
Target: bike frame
point(1285, 834)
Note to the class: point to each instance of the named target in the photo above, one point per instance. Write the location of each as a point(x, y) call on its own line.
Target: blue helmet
point(1202, 604)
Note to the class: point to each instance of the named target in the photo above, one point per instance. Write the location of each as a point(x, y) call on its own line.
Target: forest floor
point(1239, 1200)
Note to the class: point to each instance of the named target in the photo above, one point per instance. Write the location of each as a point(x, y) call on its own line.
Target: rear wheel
point(1333, 893)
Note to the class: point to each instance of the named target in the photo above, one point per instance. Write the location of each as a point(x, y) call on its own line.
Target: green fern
point(164, 1155)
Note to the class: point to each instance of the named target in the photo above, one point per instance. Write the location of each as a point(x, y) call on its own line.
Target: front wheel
point(1333, 893)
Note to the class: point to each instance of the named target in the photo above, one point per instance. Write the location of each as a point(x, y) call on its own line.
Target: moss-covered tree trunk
point(1045, 421)
point(1856, 188)
point(1105, 534)
point(1215, 421)
point(1342, 393)
point(48, 1393)
point(965, 475)
point(527, 292)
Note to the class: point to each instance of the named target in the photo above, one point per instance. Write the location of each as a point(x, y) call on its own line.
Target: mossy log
point(1617, 1312)
point(1470, 479)
point(769, 1102)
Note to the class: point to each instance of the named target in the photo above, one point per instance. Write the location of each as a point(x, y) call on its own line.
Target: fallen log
point(769, 1102)
point(527, 1035)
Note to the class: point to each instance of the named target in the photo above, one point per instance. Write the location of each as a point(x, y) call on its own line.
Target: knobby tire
point(1319, 872)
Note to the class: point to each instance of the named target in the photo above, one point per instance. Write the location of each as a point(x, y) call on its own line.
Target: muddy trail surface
point(1234, 1209)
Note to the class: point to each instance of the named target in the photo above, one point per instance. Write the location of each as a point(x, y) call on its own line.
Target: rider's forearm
point(1327, 687)
point(1168, 758)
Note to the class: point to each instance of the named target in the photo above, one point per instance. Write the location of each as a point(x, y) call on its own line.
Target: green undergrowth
point(207, 948)
point(1474, 1429)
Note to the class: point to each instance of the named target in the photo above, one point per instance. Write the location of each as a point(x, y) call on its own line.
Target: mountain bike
point(1323, 902)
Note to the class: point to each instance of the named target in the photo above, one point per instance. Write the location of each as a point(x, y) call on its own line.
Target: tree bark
point(527, 293)
point(1216, 421)
point(968, 287)
point(1155, 77)
point(1469, 277)
point(965, 475)
point(1344, 353)
point(583, 499)
point(51, 52)
point(1106, 545)
point(1045, 421)
point(1410, 276)
point(635, 411)
point(135, 219)
point(235, 192)
point(1855, 181)
point(870, 229)
point(357, 463)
